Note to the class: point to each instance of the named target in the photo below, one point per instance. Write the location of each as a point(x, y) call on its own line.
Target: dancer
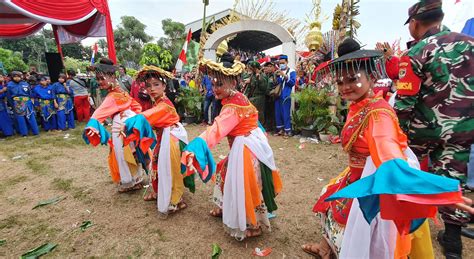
point(118, 105)
point(247, 181)
point(171, 137)
point(382, 174)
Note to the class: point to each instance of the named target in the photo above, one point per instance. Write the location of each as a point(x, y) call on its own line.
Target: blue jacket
point(287, 86)
point(206, 82)
point(45, 93)
point(18, 89)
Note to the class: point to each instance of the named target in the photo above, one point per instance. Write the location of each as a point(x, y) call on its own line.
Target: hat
point(268, 63)
point(352, 57)
point(254, 64)
point(349, 50)
point(285, 57)
point(424, 9)
point(105, 66)
point(211, 66)
point(148, 71)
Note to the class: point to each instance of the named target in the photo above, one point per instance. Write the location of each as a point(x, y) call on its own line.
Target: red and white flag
point(94, 52)
point(182, 56)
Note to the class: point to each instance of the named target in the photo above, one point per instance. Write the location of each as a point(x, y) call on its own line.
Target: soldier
point(257, 89)
point(435, 104)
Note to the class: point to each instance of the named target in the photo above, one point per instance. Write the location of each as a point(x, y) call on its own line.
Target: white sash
point(233, 208)
point(164, 165)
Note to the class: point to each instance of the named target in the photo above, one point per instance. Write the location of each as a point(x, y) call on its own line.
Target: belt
point(21, 98)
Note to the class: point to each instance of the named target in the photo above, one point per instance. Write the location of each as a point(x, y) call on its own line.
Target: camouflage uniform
point(439, 118)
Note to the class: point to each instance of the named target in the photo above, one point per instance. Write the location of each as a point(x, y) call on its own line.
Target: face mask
point(282, 66)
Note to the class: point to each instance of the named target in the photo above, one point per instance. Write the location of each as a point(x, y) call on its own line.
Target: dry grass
point(125, 225)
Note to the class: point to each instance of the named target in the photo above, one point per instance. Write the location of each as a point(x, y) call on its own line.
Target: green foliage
point(132, 72)
point(12, 60)
point(77, 51)
point(312, 103)
point(191, 100)
point(174, 39)
point(102, 47)
point(129, 37)
point(32, 48)
point(72, 63)
point(191, 55)
point(313, 111)
point(155, 55)
point(326, 121)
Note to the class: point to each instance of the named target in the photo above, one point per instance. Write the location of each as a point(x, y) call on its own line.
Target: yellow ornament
point(222, 48)
point(314, 39)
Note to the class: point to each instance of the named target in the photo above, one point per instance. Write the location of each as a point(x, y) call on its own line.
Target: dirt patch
point(124, 225)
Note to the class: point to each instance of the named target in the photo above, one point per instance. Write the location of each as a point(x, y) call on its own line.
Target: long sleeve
point(135, 106)
point(223, 124)
point(161, 116)
point(263, 83)
point(108, 108)
point(405, 103)
point(290, 82)
point(392, 67)
point(383, 138)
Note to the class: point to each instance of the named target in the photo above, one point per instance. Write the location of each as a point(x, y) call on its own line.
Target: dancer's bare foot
point(150, 196)
point(318, 249)
point(253, 232)
point(180, 206)
point(217, 212)
point(137, 186)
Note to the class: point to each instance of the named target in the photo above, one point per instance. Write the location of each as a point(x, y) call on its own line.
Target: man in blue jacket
point(286, 77)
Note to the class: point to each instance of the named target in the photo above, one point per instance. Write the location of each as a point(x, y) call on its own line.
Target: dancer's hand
point(466, 205)
point(190, 164)
point(385, 48)
point(122, 131)
point(90, 133)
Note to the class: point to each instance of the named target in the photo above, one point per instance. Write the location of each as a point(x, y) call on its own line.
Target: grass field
point(40, 168)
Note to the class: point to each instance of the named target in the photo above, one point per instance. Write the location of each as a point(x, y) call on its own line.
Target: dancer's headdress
point(153, 72)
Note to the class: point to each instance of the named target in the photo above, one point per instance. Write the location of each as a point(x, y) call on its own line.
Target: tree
point(76, 50)
point(192, 55)
point(75, 64)
point(103, 49)
point(32, 48)
point(155, 55)
point(175, 37)
point(129, 37)
point(12, 60)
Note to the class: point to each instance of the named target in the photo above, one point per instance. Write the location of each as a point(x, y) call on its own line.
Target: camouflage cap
point(424, 9)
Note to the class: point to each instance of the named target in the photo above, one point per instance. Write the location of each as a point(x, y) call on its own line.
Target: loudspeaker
point(55, 65)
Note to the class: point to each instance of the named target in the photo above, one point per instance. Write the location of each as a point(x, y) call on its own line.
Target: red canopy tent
point(72, 20)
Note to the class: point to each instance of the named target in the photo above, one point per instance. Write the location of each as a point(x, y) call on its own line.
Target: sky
point(381, 20)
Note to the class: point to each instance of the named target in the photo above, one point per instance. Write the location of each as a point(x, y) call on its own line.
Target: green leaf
point(333, 130)
point(38, 251)
point(47, 202)
point(216, 251)
point(85, 225)
point(2, 242)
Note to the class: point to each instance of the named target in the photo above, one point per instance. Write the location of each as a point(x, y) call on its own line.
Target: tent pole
point(58, 44)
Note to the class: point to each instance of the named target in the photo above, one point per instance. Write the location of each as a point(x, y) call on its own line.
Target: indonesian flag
point(182, 56)
point(94, 52)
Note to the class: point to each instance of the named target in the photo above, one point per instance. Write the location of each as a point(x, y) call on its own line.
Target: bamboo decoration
point(222, 48)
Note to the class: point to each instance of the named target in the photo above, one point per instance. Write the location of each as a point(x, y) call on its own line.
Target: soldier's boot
point(450, 241)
